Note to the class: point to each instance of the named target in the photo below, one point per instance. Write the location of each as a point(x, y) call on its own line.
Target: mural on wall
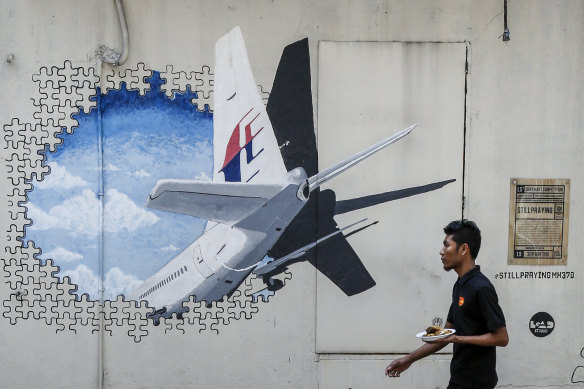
point(578, 373)
point(143, 137)
point(251, 170)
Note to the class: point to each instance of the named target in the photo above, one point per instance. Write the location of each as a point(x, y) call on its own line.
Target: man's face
point(451, 257)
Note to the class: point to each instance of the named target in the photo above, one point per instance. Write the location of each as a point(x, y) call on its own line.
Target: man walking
point(475, 314)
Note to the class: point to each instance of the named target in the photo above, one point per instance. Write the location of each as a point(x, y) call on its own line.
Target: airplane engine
point(273, 284)
point(298, 176)
point(303, 191)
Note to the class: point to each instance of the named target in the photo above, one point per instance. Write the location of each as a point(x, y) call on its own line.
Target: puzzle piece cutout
point(64, 307)
point(137, 316)
point(46, 114)
point(63, 92)
point(169, 86)
point(34, 167)
point(210, 316)
point(265, 95)
point(193, 313)
point(32, 308)
point(245, 308)
point(14, 206)
point(69, 123)
point(107, 315)
point(90, 311)
point(70, 76)
point(122, 314)
point(139, 323)
point(34, 138)
point(204, 89)
point(13, 273)
point(115, 78)
point(13, 239)
point(87, 74)
point(88, 95)
point(226, 310)
point(48, 75)
point(170, 324)
point(65, 321)
point(13, 134)
point(15, 164)
point(13, 308)
point(19, 191)
point(142, 74)
point(53, 140)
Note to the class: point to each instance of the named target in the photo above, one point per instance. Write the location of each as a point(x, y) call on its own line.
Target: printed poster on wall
point(538, 221)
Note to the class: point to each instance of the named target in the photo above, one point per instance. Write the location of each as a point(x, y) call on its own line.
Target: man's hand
point(395, 368)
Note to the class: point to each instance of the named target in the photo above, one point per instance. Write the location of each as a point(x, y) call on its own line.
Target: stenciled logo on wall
point(78, 200)
point(541, 324)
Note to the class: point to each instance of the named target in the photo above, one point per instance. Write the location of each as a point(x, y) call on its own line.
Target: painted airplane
point(258, 202)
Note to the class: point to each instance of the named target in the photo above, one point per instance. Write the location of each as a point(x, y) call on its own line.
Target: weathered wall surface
point(518, 115)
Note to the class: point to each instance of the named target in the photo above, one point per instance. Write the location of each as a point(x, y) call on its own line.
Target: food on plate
point(436, 331)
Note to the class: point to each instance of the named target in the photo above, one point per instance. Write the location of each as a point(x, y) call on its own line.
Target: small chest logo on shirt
point(460, 301)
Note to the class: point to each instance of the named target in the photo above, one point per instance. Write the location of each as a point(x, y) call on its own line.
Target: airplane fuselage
point(218, 261)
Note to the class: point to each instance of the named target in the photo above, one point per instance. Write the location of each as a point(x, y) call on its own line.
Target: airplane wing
point(322, 177)
point(344, 206)
point(245, 148)
point(218, 201)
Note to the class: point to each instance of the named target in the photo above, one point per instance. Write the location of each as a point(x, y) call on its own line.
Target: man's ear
point(464, 248)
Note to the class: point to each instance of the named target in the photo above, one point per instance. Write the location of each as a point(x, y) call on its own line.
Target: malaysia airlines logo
point(232, 164)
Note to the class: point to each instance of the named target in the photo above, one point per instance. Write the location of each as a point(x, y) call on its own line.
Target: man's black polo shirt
point(474, 310)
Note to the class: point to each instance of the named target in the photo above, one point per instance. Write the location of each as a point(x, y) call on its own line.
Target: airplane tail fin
point(291, 114)
point(322, 177)
point(335, 258)
point(244, 146)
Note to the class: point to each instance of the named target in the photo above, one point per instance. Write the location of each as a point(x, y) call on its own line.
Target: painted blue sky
point(145, 138)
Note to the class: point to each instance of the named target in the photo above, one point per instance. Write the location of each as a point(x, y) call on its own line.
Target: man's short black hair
point(465, 231)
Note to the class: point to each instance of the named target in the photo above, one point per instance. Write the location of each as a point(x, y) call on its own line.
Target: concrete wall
point(520, 117)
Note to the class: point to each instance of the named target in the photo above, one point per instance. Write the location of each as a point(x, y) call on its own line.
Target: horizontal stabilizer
point(223, 202)
point(344, 206)
point(322, 177)
point(337, 260)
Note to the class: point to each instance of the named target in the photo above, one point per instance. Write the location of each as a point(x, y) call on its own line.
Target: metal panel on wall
point(366, 92)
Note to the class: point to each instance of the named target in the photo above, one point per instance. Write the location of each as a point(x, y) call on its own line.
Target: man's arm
point(498, 337)
point(395, 368)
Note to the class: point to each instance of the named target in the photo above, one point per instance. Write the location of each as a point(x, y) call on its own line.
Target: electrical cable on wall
point(109, 55)
point(506, 35)
point(114, 58)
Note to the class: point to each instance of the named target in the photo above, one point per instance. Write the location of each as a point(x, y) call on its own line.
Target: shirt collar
point(469, 274)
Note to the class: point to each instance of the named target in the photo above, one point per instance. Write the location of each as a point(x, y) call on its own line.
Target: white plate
point(432, 338)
